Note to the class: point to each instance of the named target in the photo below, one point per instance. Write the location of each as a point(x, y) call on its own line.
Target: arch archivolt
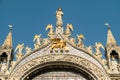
point(56, 58)
point(114, 48)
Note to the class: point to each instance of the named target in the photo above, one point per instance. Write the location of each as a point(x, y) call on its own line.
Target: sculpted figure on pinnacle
point(59, 15)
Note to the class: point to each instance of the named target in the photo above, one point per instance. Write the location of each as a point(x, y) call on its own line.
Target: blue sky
point(30, 17)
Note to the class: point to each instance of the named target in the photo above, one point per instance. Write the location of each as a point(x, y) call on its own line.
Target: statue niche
point(3, 62)
point(114, 61)
point(3, 57)
point(114, 55)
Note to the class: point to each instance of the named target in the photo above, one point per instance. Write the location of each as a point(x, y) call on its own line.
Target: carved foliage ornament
point(100, 74)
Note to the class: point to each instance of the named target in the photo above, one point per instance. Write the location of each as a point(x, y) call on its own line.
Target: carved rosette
point(90, 67)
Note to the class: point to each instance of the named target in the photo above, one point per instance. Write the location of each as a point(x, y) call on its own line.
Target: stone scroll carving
point(100, 74)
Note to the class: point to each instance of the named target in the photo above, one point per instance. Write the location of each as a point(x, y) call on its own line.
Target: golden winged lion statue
point(58, 43)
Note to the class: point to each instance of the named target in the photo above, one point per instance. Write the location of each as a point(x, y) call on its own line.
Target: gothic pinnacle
point(110, 37)
point(8, 40)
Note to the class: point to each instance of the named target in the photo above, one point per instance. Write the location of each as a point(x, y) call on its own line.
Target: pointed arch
point(114, 55)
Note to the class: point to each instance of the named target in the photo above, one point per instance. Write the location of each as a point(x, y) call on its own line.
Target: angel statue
point(97, 46)
point(80, 40)
point(37, 41)
point(19, 49)
point(59, 15)
point(69, 28)
point(51, 31)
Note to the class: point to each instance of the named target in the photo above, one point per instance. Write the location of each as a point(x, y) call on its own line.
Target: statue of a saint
point(114, 65)
point(4, 67)
point(59, 15)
